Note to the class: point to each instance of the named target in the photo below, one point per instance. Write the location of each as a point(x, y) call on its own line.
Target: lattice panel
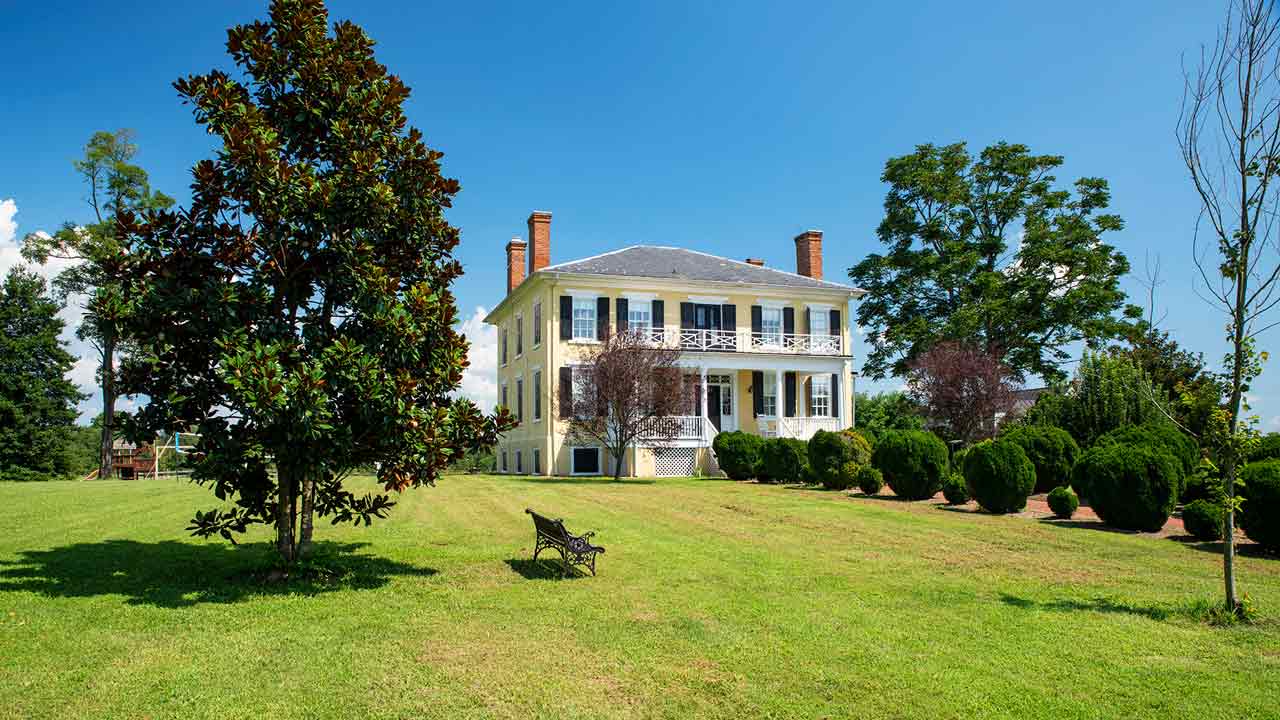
point(674, 462)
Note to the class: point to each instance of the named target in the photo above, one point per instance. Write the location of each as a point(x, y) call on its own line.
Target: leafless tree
point(623, 390)
point(962, 388)
point(1229, 135)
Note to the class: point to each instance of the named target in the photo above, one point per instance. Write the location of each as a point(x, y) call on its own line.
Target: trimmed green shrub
point(1063, 502)
point(1162, 435)
point(870, 480)
point(738, 454)
point(1203, 484)
point(1000, 475)
point(847, 477)
point(955, 490)
point(1260, 511)
point(1051, 450)
point(1203, 520)
point(913, 462)
point(785, 460)
point(829, 451)
point(1268, 448)
point(1133, 487)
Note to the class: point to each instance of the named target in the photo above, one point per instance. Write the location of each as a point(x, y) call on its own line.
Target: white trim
point(708, 299)
point(640, 296)
point(581, 293)
point(599, 459)
point(819, 306)
point(772, 302)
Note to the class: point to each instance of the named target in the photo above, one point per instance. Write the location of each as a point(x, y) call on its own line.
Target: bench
point(574, 549)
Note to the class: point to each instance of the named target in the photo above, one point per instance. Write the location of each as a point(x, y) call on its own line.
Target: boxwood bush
point(1133, 487)
point(785, 460)
point(955, 490)
point(869, 479)
point(738, 453)
point(1162, 435)
point(913, 462)
point(829, 451)
point(1063, 502)
point(1260, 511)
point(1000, 475)
point(1203, 520)
point(1051, 450)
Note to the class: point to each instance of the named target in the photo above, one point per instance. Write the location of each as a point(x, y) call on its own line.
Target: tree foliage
point(299, 311)
point(963, 389)
point(1108, 392)
point(989, 252)
point(877, 414)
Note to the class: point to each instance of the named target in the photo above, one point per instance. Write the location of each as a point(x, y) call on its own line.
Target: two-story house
point(771, 347)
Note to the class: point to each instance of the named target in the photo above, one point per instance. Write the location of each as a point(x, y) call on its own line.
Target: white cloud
point(480, 379)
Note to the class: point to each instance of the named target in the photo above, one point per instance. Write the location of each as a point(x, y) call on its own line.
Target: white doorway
point(722, 401)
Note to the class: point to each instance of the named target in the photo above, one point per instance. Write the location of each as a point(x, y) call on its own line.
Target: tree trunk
point(284, 516)
point(1229, 467)
point(105, 458)
point(308, 510)
point(617, 463)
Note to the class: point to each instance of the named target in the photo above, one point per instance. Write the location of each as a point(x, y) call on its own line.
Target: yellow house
point(771, 347)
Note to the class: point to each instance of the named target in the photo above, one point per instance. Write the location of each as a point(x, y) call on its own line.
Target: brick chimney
point(809, 254)
point(540, 239)
point(755, 261)
point(515, 263)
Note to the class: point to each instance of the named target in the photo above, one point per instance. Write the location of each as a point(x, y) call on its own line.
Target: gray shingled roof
point(678, 263)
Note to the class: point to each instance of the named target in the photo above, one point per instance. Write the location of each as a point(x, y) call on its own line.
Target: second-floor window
point(819, 322)
point(771, 325)
point(640, 316)
point(770, 402)
point(503, 401)
point(820, 403)
point(504, 346)
point(584, 318)
point(519, 335)
point(537, 324)
point(519, 400)
point(537, 395)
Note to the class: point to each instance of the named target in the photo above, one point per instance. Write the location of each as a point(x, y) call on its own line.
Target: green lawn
point(715, 599)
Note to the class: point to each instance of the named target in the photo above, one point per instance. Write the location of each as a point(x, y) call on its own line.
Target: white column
point(780, 395)
point(702, 369)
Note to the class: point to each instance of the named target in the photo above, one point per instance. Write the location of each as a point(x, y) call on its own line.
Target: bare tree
point(1229, 135)
point(623, 390)
point(963, 388)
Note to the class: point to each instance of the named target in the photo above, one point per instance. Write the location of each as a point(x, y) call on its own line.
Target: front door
point(713, 405)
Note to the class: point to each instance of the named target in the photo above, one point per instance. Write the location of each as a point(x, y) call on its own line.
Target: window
point(537, 395)
point(519, 462)
point(584, 318)
point(537, 323)
point(504, 346)
point(820, 402)
point(519, 335)
point(584, 461)
point(519, 400)
point(504, 460)
point(770, 402)
point(502, 398)
point(537, 461)
point(771, 325)
point(819, 322)
point(640, 316)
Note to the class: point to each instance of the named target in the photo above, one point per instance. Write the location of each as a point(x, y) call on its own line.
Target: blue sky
point(726, 128)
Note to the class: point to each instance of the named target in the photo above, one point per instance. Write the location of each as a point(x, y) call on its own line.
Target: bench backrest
point(553, 529)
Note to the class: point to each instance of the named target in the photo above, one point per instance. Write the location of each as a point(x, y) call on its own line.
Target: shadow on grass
point(1091, 525)
point(544, 569)
point(1244, 548)
point(1098, 605)
point(585, 480)
point(174, 574)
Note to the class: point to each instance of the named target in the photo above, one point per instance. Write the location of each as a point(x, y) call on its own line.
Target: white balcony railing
point(803, 428)
point(744, 341)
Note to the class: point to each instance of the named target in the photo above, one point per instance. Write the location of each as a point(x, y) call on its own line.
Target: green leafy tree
point(1109, 391)
point(988, 252)
point(299, 312)
point(876, 414)
point(37, 402)
point(97, 272)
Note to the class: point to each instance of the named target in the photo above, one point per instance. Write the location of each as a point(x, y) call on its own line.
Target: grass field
point(715, 599)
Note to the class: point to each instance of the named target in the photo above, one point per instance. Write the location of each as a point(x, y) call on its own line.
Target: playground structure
point(133, 462)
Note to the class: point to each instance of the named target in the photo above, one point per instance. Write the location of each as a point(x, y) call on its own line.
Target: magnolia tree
point(963, 388)
point(623, 390)
point(298, 312)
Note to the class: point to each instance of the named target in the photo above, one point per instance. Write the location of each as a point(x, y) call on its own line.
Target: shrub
point(913, 462)
point(829, 451)
point(1203, 484)
point(1162, 435)
point(738, 454)
point(955, 490)
point(846, 478)
point(1268, 448)
point(785, 460)
point(869, 479)
point(1260, 511)
point(1000, 475)
point(1063, 502)
point(1050, 449)
point(1133, 487)
point(1203, 520)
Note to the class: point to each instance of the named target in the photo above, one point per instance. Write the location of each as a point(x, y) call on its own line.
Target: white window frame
point(537, 325)
point(573, 470)
point(519, 336)
point(587, 306)
point(503, 347)
point(767, 397)
point(820, 389)
point(637, 309)
point(769, 335)
point(814, 314)
point(537, 394)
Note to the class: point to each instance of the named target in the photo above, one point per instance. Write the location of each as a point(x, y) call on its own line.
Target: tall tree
point(1229, 135)
point(299, 312)
point(37, 402)
point(988, 252)
point(964, 389)
point(115, 185)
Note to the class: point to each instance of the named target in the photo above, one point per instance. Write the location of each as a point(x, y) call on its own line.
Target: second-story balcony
point(704, 340)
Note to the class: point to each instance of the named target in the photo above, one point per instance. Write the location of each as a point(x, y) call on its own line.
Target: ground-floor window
point(769, 404)
point(820, 387)
point(584, 461)
point(504, 460)
point(519, 462)
point(537, 461)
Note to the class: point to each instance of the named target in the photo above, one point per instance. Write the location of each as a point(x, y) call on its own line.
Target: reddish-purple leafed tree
point(963, 389)
point(623, 390)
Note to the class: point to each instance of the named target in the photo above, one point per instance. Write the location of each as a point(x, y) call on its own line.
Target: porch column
point(780, 407)
point(702, 369)
point(801, 396)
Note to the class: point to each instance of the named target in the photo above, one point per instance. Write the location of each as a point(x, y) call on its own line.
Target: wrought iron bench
point(574, 549)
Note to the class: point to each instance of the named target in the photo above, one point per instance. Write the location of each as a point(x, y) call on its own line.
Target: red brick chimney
point(515, 263)
point(755, 261)
point(809, 254)
point(540, 239)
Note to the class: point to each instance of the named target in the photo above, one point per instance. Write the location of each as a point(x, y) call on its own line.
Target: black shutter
point(566, 317)
point(622, 314)
point(789, 379)
point(757, 319)
point(602, 318)
point(729, 317)
point(835, 322)
point(757, 392)
point(789, 321)
point(566, 392)
point(686, 316)
point(808, 320)
point(835, 392)
point(659, 313)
